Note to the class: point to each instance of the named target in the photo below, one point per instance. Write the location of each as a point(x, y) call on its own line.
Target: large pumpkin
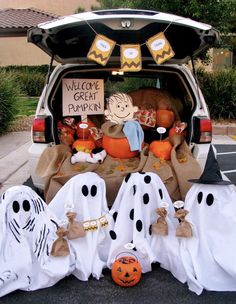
point(86, 145)
point(118, 147)
point(126, 271)
point(161, 149)
point(165, 118)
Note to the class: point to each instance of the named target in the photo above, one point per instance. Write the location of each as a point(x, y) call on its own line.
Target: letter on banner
point(101, 49)
point(131, 57)
point(160, 48)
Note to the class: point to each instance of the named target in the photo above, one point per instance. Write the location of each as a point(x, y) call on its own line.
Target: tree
point(221, 14)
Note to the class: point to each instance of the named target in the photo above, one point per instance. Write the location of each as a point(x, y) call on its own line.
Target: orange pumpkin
point(161, 149)
point(165, 118)
point(118, 147)
point(126, 271)
point(86, 145)
point(84, 133)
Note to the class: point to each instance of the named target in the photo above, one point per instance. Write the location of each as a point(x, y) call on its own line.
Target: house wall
point(59, 7)
point(16, 50)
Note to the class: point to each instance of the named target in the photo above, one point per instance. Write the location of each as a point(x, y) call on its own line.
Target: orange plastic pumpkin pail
point(126, 271)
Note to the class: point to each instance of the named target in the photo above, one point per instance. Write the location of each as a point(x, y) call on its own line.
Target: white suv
point(68, 41)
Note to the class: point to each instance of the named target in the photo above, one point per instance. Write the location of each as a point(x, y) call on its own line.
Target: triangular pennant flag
point(131, 57)
point(160, 48)
point(101, 49)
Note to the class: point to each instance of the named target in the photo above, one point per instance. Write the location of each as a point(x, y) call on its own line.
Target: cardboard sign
point(131, 57)
point(82, 97)
point(101, 49)
point(160, 48)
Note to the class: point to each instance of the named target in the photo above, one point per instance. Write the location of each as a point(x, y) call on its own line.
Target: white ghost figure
point(209, 256)
point(27, 234)
point(85, 194)
point(134, 212)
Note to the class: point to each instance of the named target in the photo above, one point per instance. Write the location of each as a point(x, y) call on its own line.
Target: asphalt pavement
point(157, 286)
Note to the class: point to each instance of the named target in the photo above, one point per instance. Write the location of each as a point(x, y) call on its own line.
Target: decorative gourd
point(126, 271)
point(118, 147)
point(161, 149)
point(84, 133)
point(86, 145)
point(165, 118)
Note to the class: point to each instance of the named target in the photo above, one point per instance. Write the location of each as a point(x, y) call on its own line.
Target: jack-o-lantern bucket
point(126, 271)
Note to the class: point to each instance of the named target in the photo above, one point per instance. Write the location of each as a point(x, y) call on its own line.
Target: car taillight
point(202, 130)
point(41, 129)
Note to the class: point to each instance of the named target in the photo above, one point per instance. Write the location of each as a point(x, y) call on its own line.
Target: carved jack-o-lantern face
point(126, 271)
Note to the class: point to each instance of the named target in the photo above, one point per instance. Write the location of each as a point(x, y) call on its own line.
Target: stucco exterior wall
point(59, 7)
point(17, 51)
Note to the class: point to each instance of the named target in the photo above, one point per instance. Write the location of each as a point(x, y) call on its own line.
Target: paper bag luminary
point(131, 57)
point(160, 48)
point(101, 49)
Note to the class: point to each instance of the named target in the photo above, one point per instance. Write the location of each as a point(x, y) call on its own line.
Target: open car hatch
point(68, 39)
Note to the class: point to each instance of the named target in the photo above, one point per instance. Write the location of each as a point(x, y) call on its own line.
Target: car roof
point(68, 39)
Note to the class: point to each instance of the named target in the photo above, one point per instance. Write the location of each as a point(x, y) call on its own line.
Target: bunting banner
point(131, 57)
point(160, 48)
point(131, 60)
point(101, 49)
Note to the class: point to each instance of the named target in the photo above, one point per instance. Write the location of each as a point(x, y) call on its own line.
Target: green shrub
point(31, 83)
point(31, 79)
point(219, 90)
point(9, 94)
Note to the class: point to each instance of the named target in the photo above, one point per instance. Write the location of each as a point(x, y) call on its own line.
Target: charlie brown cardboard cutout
point(120, 108)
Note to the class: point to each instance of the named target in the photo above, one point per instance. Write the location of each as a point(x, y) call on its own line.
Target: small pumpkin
point(161, 149)
point(86, 145)
point(84, 133)
point(118, 147)
point(165, 118)
point(126, 271)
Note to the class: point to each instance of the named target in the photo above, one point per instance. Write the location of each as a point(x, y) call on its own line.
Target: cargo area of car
point(148, 88)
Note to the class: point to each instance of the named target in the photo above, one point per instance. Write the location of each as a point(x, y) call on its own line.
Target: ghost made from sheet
point(134, 212)
point(209, 255)
point(27, 234)
point(85, 194)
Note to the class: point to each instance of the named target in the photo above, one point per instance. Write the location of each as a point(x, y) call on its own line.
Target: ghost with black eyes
point(28, 231)
point(85, 196)
point(209, 255)
point(134, 212)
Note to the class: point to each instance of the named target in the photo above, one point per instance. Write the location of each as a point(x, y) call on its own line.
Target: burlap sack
point(113, 130)
point(157, 99)
point(184, 164)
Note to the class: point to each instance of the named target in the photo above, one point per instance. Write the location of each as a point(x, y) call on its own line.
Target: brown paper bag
point(60, 246)
point(160, 227)
point(75, 229)
point(184, 228)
